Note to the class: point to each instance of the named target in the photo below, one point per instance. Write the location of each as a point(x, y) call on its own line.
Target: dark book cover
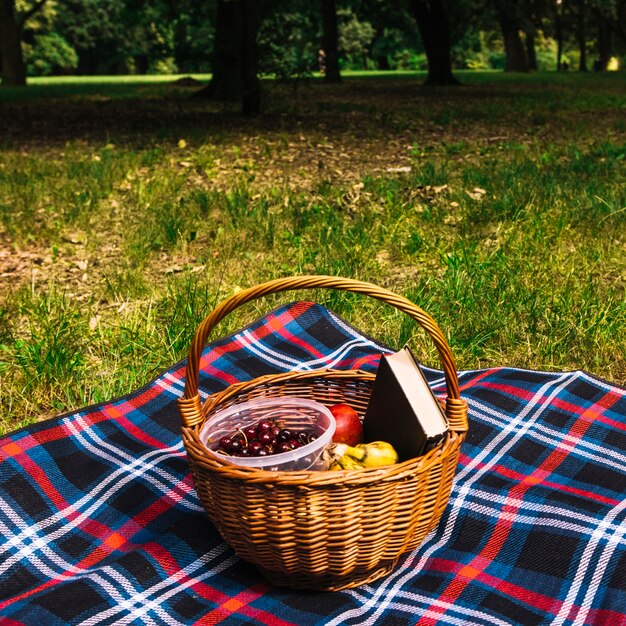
point(403, 410)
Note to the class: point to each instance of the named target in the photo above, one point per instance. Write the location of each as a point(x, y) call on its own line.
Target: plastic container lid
point(290, 412)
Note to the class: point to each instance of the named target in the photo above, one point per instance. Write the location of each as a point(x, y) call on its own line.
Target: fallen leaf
point(476, 194)
point(383, 257)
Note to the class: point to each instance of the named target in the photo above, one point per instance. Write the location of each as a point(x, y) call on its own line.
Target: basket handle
point(190, 405)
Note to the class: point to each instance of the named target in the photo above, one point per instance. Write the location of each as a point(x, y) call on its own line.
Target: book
point(402, 409)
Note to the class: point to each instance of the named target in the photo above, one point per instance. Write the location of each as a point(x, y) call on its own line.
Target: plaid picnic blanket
point(101, 524)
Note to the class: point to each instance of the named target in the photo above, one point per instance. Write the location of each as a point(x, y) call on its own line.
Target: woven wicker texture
point(314, 529)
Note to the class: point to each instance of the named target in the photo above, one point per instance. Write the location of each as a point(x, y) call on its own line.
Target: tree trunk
point(251, 88)
point(382, 62)
point(516, 59)
point(558, 31)
point(531, 51)
point(582, 43)
point(330, 40)
point(226, 84)
point(141, 64)
point(235, 56)
point(180, 36)
point(432, 23)
point(13, 66)
point(604, 46)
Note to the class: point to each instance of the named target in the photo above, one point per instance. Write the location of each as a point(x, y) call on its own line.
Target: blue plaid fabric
point(101, 524)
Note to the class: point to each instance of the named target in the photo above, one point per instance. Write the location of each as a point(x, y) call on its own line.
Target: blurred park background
point(157, 156)
point(295, 38)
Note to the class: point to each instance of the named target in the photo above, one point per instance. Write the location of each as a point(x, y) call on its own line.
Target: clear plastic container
point(292, 413)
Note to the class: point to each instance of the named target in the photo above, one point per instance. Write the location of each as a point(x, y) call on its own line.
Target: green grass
point(498, 207)
point(52, 87)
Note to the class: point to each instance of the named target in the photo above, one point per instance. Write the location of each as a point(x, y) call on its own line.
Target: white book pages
point(418, 393)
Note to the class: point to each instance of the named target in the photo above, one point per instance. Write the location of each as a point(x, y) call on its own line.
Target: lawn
point(128, 209)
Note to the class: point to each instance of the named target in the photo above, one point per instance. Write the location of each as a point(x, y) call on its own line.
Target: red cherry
point(265, 437)
point(250, 433)
point(284, 435)
point(263, 426)
point(255, 448)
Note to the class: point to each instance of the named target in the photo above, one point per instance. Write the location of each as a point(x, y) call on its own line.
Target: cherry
point(284, 435)
point(250, 433)
point(236, 445)
point(263, 426)
point(265, 437)
point(304, 437)
point(255, 447)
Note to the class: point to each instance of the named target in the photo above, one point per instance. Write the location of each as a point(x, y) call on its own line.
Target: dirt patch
point(188, 81)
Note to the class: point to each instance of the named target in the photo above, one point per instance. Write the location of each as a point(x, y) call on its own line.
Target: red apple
point(349, 428)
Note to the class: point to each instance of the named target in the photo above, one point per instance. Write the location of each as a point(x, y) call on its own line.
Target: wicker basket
point(314, 529)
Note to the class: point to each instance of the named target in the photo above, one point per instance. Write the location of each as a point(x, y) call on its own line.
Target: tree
point(511, 18)
point(330, 38)
point(251, 93)
point(516, 56)
point(432, 22)
point(534, 15)
point(613, 14)
point(604, 45)
point(288, 40)
point(235, 57)
point(193, 33)
point(117, 36)
point(11, 29)
point(531, 51)
point(355, 38)
point(611, 20)
point(574, 20)
point(581, 35)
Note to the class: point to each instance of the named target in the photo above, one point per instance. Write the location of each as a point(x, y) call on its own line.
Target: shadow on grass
point(143, 111)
